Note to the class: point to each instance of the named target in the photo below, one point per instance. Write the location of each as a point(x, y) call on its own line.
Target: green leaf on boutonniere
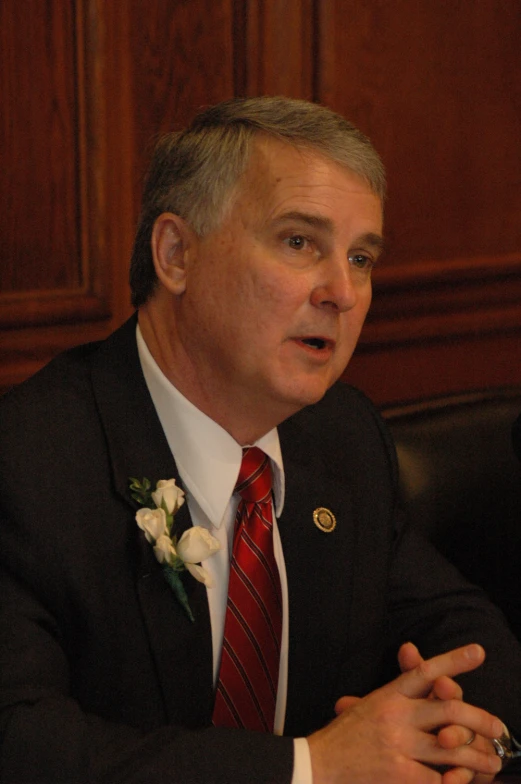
point(141, 491)
point(173, 579)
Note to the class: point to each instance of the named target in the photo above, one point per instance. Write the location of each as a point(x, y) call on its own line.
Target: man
point(251, 277)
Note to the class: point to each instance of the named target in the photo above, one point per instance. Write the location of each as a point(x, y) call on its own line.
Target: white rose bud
point(164, 549)
point(167, 491)
point(200, 573)
point(196, 544)
point(152, 522)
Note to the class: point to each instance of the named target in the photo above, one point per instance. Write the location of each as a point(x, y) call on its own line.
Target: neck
point(234, 416)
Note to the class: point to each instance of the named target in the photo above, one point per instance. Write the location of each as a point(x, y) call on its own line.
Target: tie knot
point(254, 480)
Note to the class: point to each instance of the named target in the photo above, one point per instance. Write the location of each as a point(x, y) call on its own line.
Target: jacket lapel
point(319, 572)
point(137, 447)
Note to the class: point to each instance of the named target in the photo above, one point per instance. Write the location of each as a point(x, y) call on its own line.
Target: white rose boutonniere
point(152, 522)
point(169, 494)
point(195, 545)
point(156, 520)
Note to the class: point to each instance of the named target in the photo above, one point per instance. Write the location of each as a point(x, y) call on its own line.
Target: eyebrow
point(374, 240)
point(317, 221)
point(326, 224)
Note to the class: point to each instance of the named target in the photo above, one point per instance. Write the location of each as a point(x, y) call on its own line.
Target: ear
point(171, 242)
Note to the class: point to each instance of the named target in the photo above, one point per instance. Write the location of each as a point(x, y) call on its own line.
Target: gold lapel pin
point(324, 519)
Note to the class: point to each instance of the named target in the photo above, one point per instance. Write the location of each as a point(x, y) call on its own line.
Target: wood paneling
point(37, 45)
point(437, 86)
point(275, 46)
point(50, 271)
point(182, 60)
point(436, 366)
point(53, 273)
point(85, 85)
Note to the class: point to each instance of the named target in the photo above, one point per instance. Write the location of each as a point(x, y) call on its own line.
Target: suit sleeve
point(434, 607)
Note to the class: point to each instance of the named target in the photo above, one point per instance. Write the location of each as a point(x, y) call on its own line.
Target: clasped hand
point(414, 730)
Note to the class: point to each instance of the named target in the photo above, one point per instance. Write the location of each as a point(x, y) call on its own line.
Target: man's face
point(276, 297)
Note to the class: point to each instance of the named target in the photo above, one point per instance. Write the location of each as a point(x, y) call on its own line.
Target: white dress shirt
point(208, 460)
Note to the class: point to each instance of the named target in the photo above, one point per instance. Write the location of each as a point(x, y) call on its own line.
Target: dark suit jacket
point(102, 676)
point(516, 437)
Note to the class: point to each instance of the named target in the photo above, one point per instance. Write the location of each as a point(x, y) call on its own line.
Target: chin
point(307, 397)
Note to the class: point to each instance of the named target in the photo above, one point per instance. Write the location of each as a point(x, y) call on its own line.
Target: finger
point(453, 736)
point(458, 776)
point(419, 681)
point(463, 775)
point(431, 714)
point(430, 752)
point(344, 703)
point(444, 688)
point(447, 689)
point(409, 657)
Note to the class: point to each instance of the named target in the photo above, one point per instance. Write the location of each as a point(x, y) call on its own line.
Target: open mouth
point(316, 343)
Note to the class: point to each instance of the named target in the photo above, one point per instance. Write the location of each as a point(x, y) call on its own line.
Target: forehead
point(280, 177)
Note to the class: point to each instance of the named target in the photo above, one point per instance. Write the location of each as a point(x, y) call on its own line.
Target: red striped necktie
point(248, 678)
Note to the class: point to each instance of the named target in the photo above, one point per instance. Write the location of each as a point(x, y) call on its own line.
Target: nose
point(337, 290)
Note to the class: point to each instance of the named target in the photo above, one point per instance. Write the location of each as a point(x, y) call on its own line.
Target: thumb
point(409, 657)
point(344, 703)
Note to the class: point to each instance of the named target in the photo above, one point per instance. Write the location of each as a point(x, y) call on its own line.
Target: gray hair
point(193, 172)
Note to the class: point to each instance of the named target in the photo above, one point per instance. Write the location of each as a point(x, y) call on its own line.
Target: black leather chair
point(461, 485)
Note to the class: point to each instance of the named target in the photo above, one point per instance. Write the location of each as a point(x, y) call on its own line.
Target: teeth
point(315, 342)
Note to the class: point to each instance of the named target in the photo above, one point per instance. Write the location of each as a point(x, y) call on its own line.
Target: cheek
point(271, 298)
point(280, 292)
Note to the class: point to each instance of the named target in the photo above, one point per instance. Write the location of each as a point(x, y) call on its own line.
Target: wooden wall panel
point(35, 131)
point(85, 85)
point(437, 86)
point(182, 59)
point(53, 274)
point(45, 276)
point(275, 47)
point(431, 367)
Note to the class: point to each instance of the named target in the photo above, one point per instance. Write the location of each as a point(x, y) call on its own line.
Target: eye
point(361, 261)
point(297, 242)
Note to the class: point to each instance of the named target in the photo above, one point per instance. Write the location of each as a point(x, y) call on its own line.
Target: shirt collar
point(209, 474)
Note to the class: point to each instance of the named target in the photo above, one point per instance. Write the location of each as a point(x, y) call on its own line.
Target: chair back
point(461, 485)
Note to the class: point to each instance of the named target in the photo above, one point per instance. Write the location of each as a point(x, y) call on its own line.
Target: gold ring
point(471, 739)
